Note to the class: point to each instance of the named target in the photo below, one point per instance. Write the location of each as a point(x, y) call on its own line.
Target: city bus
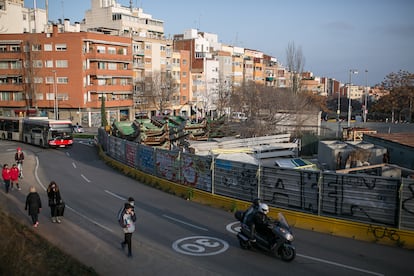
point(11, 128)
point(39, 131)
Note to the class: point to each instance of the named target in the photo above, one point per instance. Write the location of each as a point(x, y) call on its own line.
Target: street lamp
point(55, 106)
point(351, 71)
point(366, 97)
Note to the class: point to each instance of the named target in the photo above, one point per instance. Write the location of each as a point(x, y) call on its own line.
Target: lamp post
point(55, 106)
point(366, 97)
point(351, 71)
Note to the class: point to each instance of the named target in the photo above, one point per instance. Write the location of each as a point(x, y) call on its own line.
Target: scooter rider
point(249, 215)
point(261, 222)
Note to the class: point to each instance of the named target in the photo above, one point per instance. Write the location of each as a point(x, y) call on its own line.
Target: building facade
point(70, 73)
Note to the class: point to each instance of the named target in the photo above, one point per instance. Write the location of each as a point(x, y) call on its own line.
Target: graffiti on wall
point(196, 171)
point(146, 159)
point(167, 165)
point(236, 179)
point(295, 189)
point(364, 198)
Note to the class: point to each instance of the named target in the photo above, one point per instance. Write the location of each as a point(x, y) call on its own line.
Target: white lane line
point(67, 154)
point(73, 210)
point(91, 220)
point(115, 195)
point(186, 223)
point(74, 165)
point(36, 175)
point(84, 177)
point(340, 265)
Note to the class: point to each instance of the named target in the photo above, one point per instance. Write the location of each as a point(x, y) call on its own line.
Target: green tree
point(104, 121)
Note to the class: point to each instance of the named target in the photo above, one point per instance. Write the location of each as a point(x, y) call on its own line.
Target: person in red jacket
point(14, 177)
point(5, 173)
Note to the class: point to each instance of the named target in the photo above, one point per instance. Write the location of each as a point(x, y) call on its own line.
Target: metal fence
point(353, 197)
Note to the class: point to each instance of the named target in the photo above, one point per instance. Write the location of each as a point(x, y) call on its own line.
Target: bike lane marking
point(200, 246)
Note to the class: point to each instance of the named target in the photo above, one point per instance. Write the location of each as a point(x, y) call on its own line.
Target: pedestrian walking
point(19, 157)
point(14, 177)
point(33, 205)
point(53, 194)
point(128, 227)
point(5, 173)
point(121, 211)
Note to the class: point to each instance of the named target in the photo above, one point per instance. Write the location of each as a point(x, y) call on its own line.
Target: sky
point(374, 37)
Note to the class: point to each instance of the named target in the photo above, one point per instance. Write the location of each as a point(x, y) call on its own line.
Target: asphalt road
point(173, 236)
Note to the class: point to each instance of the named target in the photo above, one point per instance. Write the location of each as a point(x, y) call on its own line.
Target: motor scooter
point(280, 242)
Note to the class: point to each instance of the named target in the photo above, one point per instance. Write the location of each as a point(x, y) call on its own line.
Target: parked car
point(78, 129)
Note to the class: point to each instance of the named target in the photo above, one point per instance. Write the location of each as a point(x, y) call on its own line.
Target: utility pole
point(366, 97)
point(351, 71)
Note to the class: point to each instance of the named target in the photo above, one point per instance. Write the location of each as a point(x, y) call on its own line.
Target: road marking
point(340, 265)
point(232, 228)
point(73, 210)
point(74, 165)
point(90, 219)
point(200, 246)
point(115, 195)
point(84, 177)
point(186, 223)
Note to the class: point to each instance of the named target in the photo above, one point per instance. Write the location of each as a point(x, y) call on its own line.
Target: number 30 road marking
point(200, 246)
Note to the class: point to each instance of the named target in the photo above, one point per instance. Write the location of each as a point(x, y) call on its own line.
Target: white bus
point(39, 131)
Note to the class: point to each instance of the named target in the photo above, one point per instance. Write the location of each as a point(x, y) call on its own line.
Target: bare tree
point(295, 64)
point(163, 88)
point(223, 96)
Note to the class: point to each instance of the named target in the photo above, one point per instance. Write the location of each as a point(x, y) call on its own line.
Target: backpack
point(120, 217)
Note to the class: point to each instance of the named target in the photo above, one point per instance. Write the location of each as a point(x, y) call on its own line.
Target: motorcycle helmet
point(263, 208)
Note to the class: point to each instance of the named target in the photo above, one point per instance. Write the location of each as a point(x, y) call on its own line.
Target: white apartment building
point(15, 18)
point(113, 17)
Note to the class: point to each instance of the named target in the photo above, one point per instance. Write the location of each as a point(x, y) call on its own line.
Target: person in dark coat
point(33, 205)
point(55, 199)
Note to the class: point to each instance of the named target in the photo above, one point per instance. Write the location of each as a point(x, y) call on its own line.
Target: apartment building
point(15, 18)
point(70, 72)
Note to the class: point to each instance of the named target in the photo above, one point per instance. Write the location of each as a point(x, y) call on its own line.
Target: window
point(39, 96)
point(37, 64)
point(112, 66)
point(18, 96)
point(147, 47)
point(48, 47)
point(101, 65)
point(60, 47)
point(24, 17)
point(50, 96)
point(101, 49)
point(50, 79)
point(38, 80)
point(15, 48)
point(4, 65)
point(61, 63)
point(49, 63)
point(16, 64)
point(4, 96)
point(111, 50)
point(3, 48)
point(63, 80)
point(36, 47)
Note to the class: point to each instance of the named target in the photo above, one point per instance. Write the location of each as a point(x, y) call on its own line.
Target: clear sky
point(335, 35)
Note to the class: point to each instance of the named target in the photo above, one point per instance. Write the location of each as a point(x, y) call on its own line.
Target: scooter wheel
point(244, 244)
point(287, 253)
